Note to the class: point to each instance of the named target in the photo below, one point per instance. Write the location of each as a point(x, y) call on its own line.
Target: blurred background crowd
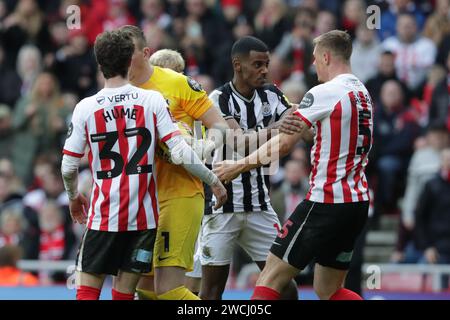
point(45, 69)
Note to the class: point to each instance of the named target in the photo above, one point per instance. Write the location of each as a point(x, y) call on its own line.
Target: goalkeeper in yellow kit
point(181, 195)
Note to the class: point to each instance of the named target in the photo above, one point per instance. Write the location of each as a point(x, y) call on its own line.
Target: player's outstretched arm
point(217, 125)
point(78, 204)
point(292, 124)
point(182, 154)
point(277, 147)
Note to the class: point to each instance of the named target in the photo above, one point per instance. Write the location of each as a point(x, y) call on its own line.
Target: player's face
point(320, 63)
point(254, 69)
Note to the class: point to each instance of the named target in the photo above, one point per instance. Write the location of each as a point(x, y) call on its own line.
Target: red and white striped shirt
point(121, 126)
point(341, 112)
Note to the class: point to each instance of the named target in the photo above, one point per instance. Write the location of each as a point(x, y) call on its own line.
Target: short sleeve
point(221, 103)
point(283, 103)
point(164, 124)
point(193, 99)
point(315, 106)
point(76, 135)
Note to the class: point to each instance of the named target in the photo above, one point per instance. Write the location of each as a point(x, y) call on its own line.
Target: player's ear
point(326, 57)
point(236, 64)
point(147, 52)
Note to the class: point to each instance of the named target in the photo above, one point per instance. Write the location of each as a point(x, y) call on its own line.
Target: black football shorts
point(103, 252)
point(322, 232)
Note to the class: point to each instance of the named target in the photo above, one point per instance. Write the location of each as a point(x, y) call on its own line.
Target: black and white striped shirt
point(249, 191)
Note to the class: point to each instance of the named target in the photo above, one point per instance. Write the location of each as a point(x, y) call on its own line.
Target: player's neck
point(338, 70)
point(244, 90)
point(145, 74)
point(116, 82)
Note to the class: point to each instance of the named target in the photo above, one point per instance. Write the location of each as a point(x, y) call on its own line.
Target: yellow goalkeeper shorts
point(178, 226)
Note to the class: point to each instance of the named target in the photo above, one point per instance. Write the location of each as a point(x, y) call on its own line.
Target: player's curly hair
point(113, 52)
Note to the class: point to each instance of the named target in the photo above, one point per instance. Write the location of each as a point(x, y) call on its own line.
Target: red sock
point(265, 293)
point(345, 294)
point(116, 295)
point(88, 293)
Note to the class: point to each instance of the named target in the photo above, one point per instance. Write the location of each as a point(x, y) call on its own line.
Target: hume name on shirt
point(114, 113)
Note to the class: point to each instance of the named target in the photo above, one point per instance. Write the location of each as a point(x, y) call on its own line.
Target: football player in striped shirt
point(121, 125)
point(327, 223)
point(181, 195)
point(253, 108)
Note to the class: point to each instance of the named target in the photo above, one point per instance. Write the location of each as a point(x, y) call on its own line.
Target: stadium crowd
point(46, 68)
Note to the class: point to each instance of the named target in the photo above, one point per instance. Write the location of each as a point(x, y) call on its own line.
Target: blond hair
point(167, 58)
point(338, 42)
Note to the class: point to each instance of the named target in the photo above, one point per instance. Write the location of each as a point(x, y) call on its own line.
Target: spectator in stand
point(201, 29)
point(353, 15)
point(153, 14)
point(10, 81)
point(433, 217)
point(326, 21)
point(14, 231)
point(425, 163)
point(59, 34)
point(117, 15)
point(57, 240)
point(39, 121)
point(75, 65)
point(292, 191)
point(422, 104)
point(10, 274)
point(293, 56)
point(366, 53)
point(29, 65)
point(11, 203)
point(232, 10)
point(240, 26)
point(271, 22)
point(394, 132)
point(389, 18)
point(26, 24)
point(12, 227)
point(386, 71)
point(437, 25)
point(414, 55)
point(6, 132)
point(440, 101)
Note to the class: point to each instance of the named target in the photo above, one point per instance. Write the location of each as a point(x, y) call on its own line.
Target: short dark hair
point(338, 42)
point(113, 52)
point(136, 34)
point(244, 45)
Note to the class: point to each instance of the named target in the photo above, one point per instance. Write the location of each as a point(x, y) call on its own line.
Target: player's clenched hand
point(226, 170)
point(220, 192)
point(78, 209)
point(291, 124)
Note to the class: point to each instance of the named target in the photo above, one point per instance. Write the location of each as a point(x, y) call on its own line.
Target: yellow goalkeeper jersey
point(187, 102)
